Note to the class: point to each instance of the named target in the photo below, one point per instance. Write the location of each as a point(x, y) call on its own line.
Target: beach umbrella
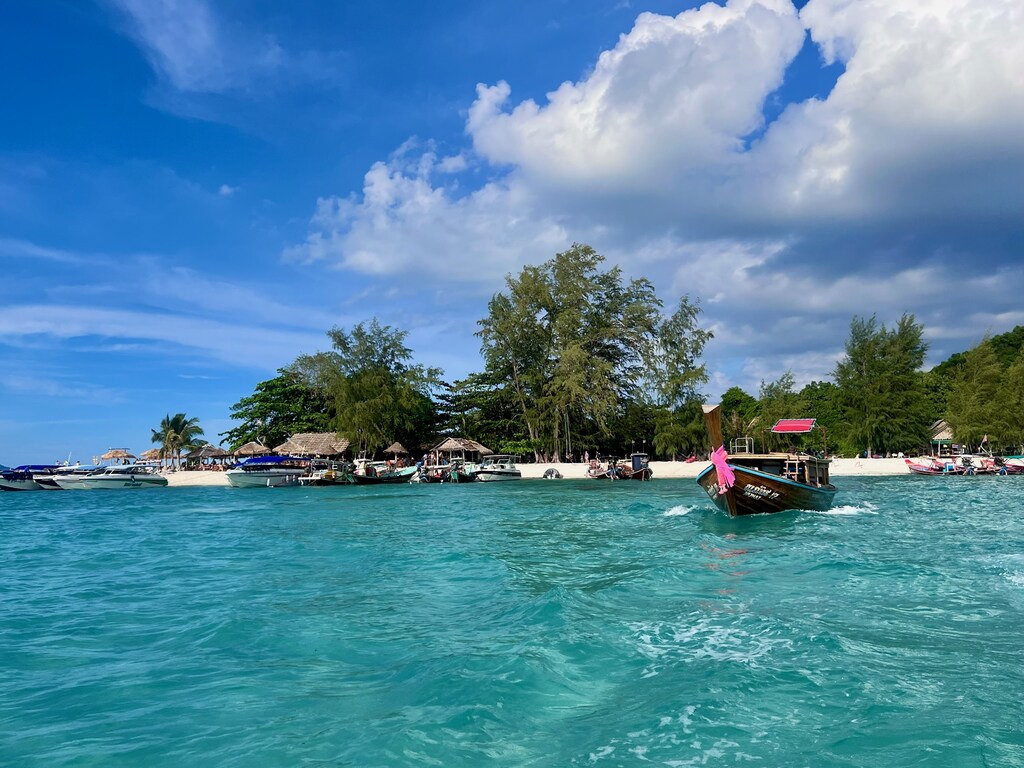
point(151, 455)
point(397, 449)
point(116, 453)
point(252, 448)
point(453, 444)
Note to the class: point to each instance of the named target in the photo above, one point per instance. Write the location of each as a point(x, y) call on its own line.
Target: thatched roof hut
point(457, 444)
point(396, 448)
point(252, 448)
point(152, 454)
point(207, 451)
point(319, 444)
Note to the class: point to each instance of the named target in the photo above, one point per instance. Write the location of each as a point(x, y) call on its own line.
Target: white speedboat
point(23, 478)
point(122, 476)
point(268, 472)
point(498, 467)
point(70, 478)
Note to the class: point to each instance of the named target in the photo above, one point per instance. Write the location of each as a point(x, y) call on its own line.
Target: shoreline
point(663, 470)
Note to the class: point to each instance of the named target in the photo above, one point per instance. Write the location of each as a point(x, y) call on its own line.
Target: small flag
point(984, 439)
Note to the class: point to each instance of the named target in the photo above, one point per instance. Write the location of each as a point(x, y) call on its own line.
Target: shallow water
point(521, 624)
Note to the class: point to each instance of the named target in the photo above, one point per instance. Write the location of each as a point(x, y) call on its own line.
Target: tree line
point(578, 359)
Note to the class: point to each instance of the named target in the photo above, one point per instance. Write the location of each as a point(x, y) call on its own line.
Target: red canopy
point(793, 426)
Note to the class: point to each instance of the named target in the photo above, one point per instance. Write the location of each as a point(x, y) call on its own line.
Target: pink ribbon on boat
point(726, 477)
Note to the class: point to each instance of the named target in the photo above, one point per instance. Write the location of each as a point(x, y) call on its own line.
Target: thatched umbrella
point(252, 448)
point(397, 449)
point(462, 444)
point(151, 455)
point(116, 453)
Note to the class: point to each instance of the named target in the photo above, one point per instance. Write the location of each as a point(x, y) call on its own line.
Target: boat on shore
point(124, 476)
point(498, 467)
point(268, 472)
point(747, 483)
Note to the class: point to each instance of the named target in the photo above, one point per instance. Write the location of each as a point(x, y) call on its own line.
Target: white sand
point(662, 470)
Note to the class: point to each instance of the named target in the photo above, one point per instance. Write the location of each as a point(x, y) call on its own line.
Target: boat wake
point(679, 510)
point(848, 509)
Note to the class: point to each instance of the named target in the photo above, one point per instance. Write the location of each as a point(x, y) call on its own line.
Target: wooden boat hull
point(644, 473)
point(757, 493)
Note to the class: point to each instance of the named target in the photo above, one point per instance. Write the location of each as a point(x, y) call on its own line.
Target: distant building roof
point(462, 444)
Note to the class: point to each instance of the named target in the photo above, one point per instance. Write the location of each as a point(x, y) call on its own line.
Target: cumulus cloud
point(897, 190)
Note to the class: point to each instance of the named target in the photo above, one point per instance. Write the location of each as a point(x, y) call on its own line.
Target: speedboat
point(23, 478)
point(70, 478)
point(498, 467)
point(124, 476)
point(268, 472)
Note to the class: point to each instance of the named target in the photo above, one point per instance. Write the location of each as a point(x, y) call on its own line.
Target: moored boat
point(638, 468)
point(378, 472)
point(747, 483)
point(497, 467)
point(70, 478)
point(268, 472)
point(23, 478)
point(124, 476)
point(322, 472)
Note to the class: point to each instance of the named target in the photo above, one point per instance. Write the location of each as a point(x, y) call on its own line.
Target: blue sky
point(193, 192)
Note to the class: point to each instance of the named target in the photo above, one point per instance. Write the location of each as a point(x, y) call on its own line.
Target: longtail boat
point(747, 483)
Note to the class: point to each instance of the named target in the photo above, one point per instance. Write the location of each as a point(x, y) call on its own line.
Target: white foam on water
point(867, 508)
point(679, 510)
point(1016, 578)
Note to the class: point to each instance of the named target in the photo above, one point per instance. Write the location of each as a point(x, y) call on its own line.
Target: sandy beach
point(663, 470)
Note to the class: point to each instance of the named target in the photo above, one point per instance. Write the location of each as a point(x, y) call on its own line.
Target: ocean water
point(523, 624)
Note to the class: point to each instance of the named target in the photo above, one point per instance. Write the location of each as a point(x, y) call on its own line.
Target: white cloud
point(238, 344)
point(226, 190)
point(881, 197)
point(197, 51)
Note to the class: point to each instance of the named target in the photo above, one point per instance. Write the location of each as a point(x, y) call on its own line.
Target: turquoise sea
point(520, 624)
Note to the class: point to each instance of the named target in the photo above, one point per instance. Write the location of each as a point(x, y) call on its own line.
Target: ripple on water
point(538, 624)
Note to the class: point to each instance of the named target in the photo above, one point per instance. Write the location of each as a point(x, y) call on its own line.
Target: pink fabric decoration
point(726, 477)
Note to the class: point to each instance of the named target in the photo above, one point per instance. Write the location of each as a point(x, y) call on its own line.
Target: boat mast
point(713, 422)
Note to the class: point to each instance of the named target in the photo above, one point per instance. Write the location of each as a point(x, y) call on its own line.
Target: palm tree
point(176, 433)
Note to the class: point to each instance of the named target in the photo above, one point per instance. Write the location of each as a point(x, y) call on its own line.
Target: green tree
point(573, 343)
point(378, 394)
point(1012, 403)
point(974, 409)
point(276, 410)
point(739, 412)
point(778, 400)
point(881, 387)
point(177, 433)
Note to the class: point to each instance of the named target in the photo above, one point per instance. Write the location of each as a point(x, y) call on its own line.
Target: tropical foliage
point(572, 346)
point(177, 433)
point(279, 408)
point(577, 358)
point(376, 393)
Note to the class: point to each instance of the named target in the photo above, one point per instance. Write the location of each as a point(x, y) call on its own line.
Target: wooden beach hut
point(252, 448)
point(206, 457)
